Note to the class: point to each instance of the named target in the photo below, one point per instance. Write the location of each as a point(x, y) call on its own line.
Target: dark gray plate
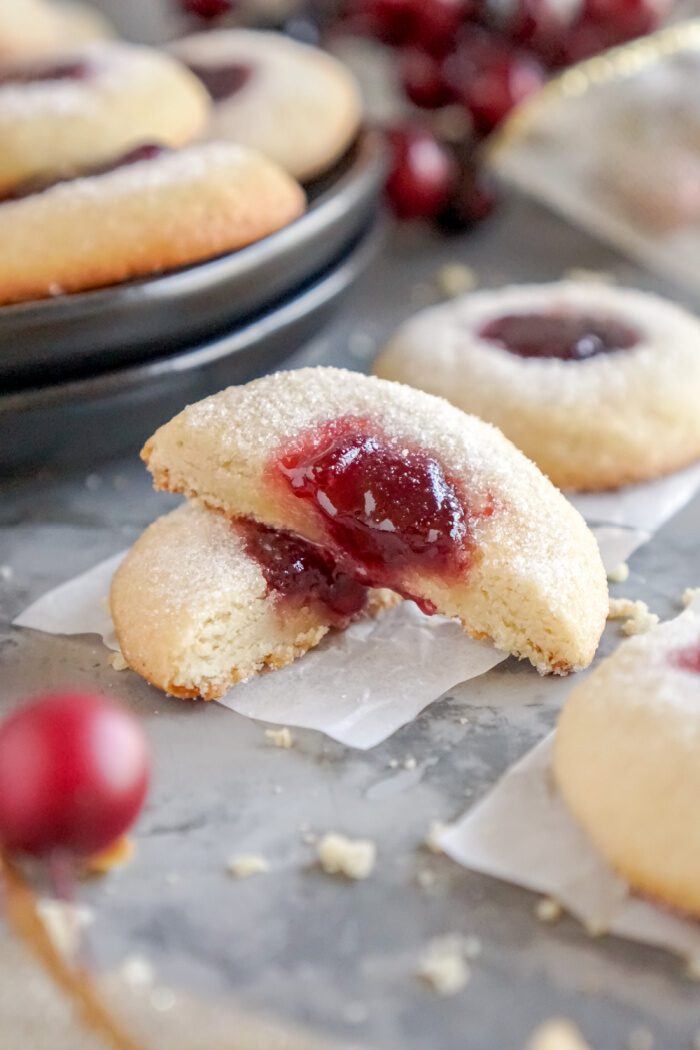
point(86, 420)
point(78, 334)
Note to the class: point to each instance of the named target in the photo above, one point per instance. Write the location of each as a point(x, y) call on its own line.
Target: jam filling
point(688, 659)
point(39, 183)
point(390, 511)
point(303, 573)
point(34, 73)
point(223, 81)
point(567, 336)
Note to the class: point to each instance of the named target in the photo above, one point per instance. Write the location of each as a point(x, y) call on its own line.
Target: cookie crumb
point(580, 273)
point(444, 965)
point(245, 865)
point(432, 839)
point(64, 923)
point(595, 928)
point(455, 279)
point(557, 1034)
point(548, 910)
point(689, 596)
point(393, 763)
point(620, 574)
point(692, 967)
point(339, 855)
point(115, 856)
point(638, 618)
point(117, 661)
point(640, 1039)
point(426, 878)
point(6, 572)
point(280, 737)
point(409, 762)
point(137, 972)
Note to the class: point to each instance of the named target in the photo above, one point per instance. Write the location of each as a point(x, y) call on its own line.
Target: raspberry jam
point(567, 336)
point(223, 81)
point(688, 659)
point(389, 510)
point(39, 183)
point(303, 573)
point(34, 73)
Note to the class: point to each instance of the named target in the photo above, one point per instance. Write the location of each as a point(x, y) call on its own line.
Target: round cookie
point(154, 211)
point(626, 760)
point(85, 106)
point(600, 385)
point(294, 103)
point(408, 493)
point(201, 603)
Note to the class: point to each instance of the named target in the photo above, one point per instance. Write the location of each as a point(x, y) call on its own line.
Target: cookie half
point(294, 103)
point(83, 107)
point(406, 492)
point(627, 760)
point(201, 603)
point(152, 210)
point(598, 385)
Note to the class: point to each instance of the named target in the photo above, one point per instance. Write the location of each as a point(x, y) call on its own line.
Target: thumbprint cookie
point(405, 492)
point(598, 385)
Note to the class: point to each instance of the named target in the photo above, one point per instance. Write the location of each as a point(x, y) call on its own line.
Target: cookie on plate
point(598, 385)
point(627, 760)
point(201, 603)
point(148, 211)
point(294, 103)
point(406, 492)
point(88, 105)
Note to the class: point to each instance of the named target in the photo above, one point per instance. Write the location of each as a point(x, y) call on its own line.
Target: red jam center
point(688, 659)
point(35, 73)
point(304, 573)
point(389, 510)
point(223, 81)
point(567, 336)
point(39, 183)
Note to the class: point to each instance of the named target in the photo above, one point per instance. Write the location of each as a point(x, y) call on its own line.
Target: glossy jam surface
point(303, 573)
point(566, 336)
point(223, 81)
point(389, 510)
point(34, 73)
point(688, 659)
point(30, 187)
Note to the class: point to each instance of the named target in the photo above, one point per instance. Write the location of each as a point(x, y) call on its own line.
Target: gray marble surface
point(336, 956)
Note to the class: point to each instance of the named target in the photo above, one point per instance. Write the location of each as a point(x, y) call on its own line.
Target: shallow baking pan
point(73, 335)
point(86, 420)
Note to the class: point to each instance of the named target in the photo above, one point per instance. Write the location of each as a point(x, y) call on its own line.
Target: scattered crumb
point(689, 596)
point(6, 572)
point(355, 1013)
point(115, 856)
point(137, 972)
point(280, 737)
point(620, 573)
point(635, 613)
point(246, 864)
point(557, 1034)
point(548, 910)
point(455, 279)
point(393, 763)
point(409, 762)
point(464, 721)
point(354, 858)
point(640, 1039)
point(426, 878)
point(692, 967)
point(435, 830)
point(163, 999)
point(117, 661)
point(444, 965)
point(64, 923)
point(595, 927)
point(580, 273)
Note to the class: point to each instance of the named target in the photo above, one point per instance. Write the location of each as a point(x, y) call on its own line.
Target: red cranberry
point(223, 81)
point(422, 79)
point(74, 770)
point(392, 21)
point(422, 174)
point(472, 201)
point(208, 10)
point(490, 76)
point(31, 73)
point(688, 659)
point(436, 23)
point(303, 573)
point(390, 510)
point(567, 336)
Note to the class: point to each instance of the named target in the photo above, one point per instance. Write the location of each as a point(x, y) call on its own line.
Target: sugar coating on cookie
point(626, 760)
point(598, 385)
point(144, 216)
point(293, 103)
point(82, 107)
point(29, 28)
point(201, 603)
point(409, 493)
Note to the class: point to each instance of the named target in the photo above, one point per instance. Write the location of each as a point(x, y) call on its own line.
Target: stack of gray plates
point(90, 375)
